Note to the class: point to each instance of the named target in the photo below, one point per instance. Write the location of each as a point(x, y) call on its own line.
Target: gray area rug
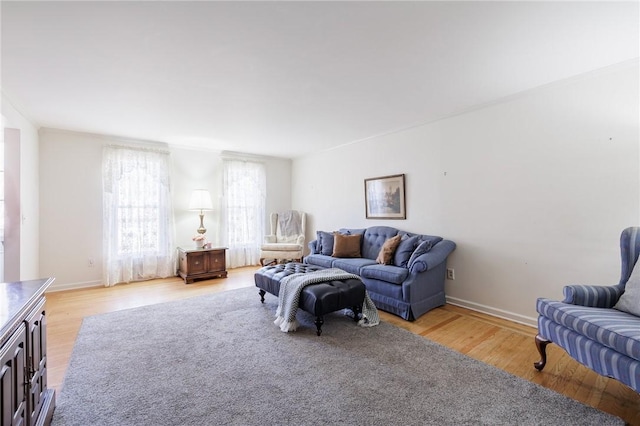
point(220, 360)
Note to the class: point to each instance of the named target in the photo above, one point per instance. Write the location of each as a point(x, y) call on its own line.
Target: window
point(137, 217)
point(138, 222)
point(244, 211)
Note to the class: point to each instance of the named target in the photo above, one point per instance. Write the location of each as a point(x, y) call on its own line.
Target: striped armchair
point(585, 324)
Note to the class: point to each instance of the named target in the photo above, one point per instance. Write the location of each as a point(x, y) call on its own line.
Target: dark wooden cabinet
point(25, 398)
point(202, 264)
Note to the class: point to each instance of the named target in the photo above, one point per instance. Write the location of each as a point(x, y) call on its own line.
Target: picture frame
point(384, 197)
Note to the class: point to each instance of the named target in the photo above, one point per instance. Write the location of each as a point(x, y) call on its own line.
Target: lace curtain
point(243, 211)
point(138, 224)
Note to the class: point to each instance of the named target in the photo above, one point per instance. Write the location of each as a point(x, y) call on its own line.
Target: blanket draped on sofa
point(289, 297)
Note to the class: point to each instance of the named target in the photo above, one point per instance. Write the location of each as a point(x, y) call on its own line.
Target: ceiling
point(291, 78)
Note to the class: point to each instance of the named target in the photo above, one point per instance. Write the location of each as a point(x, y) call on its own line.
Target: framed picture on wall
point(384, 197)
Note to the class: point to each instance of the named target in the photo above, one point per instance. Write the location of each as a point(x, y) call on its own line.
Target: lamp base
point(201, 229)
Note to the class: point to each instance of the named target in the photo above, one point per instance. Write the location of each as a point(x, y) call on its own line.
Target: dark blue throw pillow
point(404, 250)
point(325, 242)
point(423, 248)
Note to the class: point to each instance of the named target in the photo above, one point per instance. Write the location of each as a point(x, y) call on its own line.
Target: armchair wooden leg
point(541, 344)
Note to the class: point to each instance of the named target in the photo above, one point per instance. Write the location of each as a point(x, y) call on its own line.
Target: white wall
point(29, 187)
point(71, 200)
point(534, 190)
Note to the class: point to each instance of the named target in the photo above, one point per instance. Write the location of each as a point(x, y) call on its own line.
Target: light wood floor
point(504, 344)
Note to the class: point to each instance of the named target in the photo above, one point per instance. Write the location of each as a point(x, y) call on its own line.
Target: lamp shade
point(200, 200)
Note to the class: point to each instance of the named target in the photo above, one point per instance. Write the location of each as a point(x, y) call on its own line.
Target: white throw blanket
point(289, 226)
point(289, 297)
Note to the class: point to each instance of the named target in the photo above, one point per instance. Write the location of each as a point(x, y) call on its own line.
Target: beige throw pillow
point(629, 302)
point(388, 249)
point(346, 245)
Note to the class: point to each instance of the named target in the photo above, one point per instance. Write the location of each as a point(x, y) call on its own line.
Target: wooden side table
point(202, 263)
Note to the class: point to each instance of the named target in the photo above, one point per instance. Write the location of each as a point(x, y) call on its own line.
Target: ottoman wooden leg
point(319, 322)
point(357, 313)
point(262, 293)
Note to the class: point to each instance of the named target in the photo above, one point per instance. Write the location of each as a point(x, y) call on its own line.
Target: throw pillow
point(346, 245)
point(629, 302)
point(351, 231)
point(404, 250)
point(388, 249)
point(325, 243)
point(422, 248)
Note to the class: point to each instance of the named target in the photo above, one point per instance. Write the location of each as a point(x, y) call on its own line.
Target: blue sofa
point(411, 286)
point(586, 325)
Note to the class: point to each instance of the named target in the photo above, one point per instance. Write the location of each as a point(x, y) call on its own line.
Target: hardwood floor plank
point(499, 342)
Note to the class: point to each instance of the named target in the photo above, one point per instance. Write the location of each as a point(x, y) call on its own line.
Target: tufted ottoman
point(317, 299)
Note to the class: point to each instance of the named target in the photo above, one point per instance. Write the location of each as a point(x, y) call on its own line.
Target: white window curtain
point(138, 234)
point(243, 211)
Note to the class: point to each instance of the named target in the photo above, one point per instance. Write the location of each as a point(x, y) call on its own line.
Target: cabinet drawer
point(216, 261)
point(196, 263)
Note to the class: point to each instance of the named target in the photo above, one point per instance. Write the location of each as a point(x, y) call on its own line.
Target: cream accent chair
point(286, 241)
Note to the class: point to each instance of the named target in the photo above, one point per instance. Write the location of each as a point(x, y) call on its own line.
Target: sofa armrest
point(432, 258)
point(313, 246)
point(269, 239)
point(594, 296)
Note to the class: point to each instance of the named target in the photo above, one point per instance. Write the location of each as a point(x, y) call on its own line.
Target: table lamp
point(201, 200)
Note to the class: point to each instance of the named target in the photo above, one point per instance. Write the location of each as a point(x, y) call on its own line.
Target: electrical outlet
point(91, 262)
point(451, 275)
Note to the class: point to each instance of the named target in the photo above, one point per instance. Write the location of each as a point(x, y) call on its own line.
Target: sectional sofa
point(413, 282)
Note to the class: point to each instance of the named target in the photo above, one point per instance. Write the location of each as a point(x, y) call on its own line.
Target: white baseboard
point(511, 316)
point(72, 286)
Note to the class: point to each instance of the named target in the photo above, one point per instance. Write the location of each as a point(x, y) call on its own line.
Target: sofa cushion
point(325, 243)
point(405, 249)
point(281, 246)
point(388, 273)
point(319, 260)
point(630, 300)
point(609, 327)
point(346, 245)
point(352, 265)
point(388, 250)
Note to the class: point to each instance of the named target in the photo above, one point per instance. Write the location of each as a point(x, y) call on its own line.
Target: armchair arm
point(269, 239)
point(432, 258)
point(300, 240)
point(595, 296)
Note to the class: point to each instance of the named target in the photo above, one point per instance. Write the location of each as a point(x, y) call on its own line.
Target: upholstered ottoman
point(318, 299)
